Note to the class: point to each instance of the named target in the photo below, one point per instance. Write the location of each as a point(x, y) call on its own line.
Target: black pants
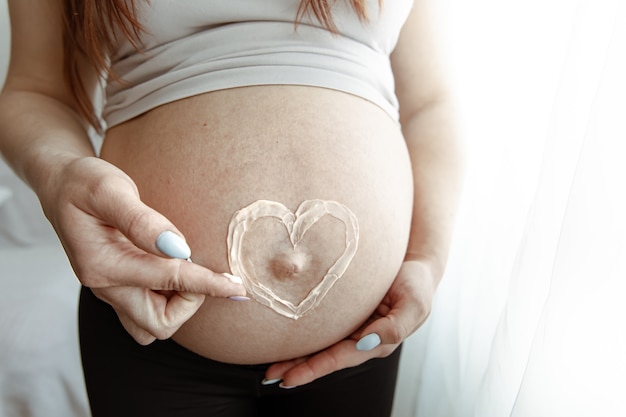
point(164, 379)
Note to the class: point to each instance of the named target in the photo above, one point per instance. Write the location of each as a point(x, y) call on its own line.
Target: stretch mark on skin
point(297, 224)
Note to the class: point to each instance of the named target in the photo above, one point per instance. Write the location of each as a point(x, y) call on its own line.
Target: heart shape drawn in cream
point(297, 224)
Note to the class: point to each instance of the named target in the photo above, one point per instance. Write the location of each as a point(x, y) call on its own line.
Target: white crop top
point(196, 46)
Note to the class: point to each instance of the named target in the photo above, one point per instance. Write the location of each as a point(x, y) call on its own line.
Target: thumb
point(109, 195)
point(403, 310)
point(145, 227)
point(391, 329)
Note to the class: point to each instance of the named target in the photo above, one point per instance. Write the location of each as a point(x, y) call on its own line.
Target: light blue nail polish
point(270, 381)
point(172, 245)
point(287, 386)
point(368, 342)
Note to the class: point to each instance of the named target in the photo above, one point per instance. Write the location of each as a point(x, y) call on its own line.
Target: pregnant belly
point(304, 192)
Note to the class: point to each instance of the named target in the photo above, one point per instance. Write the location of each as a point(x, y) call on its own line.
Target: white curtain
point(530, 319)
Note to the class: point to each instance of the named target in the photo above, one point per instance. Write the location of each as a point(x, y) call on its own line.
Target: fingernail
point(270, 381)
point(233, 278)
point(239, 298)
point(368, 342)
point(172, 245)
point(287, 386)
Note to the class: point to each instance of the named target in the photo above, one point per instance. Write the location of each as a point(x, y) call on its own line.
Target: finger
point(162, 317)
point(339, 356)
point(179, 308)
point(277, 370)
point(119, 298)
point(140, 335)
point(148, 315)
point(393, 328)
point(147, 271)
point(117, 204)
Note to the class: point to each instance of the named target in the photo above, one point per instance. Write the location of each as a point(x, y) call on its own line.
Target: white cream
point(309, 213)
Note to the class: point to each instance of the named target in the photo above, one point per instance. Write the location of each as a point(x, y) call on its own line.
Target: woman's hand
point(405, 307)
point(110, 237)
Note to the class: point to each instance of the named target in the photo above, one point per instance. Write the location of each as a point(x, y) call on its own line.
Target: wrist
point(434, 265)
point(45, 169)
point(422, 281)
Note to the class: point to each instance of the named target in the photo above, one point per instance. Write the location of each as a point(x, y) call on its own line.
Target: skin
point(93, 205)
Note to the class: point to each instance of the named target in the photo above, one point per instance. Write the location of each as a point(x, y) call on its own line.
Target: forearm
point(39, 135)
point(438, 165)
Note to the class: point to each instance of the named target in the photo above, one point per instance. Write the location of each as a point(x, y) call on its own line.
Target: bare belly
point(200, 160)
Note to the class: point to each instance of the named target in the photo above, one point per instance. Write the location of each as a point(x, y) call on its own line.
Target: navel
point(289, 264)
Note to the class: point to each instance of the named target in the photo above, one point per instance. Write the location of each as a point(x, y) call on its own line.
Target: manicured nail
point(368, 342)
point(172, 245)
point(281, 385)
point(233, 278)
point(239, 298)
point(270, 381)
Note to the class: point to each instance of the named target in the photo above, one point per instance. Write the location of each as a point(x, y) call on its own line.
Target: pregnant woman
point(270, 212)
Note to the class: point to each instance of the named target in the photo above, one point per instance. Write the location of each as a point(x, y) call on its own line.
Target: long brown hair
point(89, 33)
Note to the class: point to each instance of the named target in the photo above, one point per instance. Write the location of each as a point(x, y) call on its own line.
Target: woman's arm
point(40, 129)
point(109, 235)
point(427, 119)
